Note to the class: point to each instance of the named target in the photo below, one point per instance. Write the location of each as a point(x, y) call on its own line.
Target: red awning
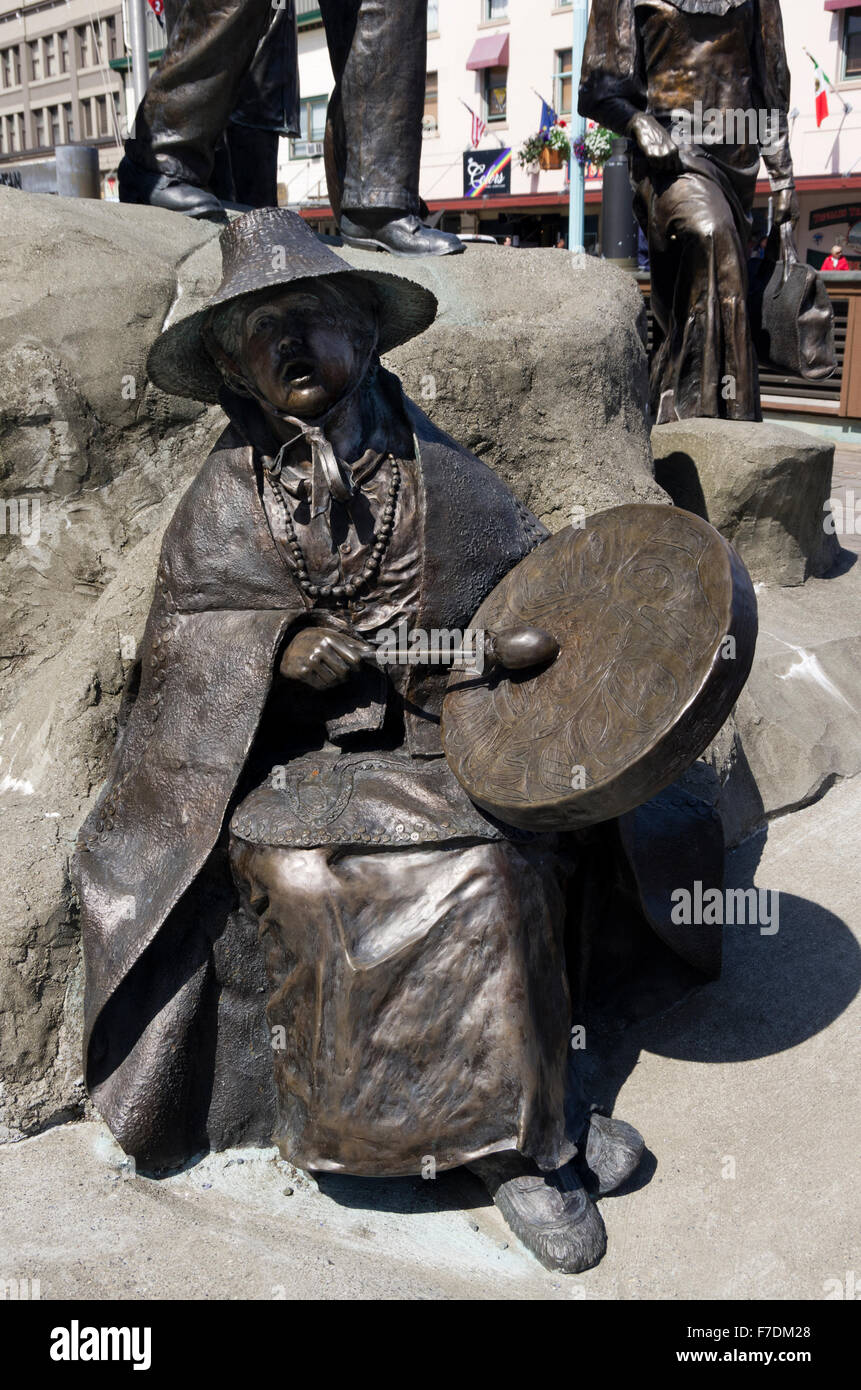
point(839, 4)
point(489, 52)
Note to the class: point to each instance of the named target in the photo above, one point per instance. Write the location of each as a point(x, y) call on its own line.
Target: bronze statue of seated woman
point(276, 786)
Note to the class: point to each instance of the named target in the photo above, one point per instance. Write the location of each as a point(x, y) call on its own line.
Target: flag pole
point(576, 172)
point(543, 99)
point(487, 129)
point(140, 52)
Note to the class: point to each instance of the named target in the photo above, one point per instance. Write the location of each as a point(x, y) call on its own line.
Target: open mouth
point(299, 372)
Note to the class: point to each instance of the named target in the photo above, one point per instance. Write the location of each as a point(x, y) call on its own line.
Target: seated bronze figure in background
point(274, 784)
point(701, 87)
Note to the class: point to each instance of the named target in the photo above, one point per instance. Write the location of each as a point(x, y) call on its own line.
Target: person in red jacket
point(837, 260)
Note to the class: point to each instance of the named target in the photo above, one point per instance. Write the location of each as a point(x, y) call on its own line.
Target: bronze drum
point(655, 617)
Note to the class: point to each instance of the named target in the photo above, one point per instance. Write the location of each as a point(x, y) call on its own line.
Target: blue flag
point(548, 117)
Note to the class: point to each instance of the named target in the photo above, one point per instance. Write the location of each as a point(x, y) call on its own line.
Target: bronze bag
point(792, 317)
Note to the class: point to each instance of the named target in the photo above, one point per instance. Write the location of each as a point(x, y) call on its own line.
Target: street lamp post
point(576, 173)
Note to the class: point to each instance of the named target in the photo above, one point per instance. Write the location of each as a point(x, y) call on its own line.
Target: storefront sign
point(837, 212)
point(486, 173)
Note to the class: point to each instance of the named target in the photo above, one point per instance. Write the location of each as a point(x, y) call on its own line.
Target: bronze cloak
point(176, 1050)
point(177, 1054)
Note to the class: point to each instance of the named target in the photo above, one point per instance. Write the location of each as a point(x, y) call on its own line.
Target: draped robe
point(177, 1051)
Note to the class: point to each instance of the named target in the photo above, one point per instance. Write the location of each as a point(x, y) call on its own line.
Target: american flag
point(479, 128)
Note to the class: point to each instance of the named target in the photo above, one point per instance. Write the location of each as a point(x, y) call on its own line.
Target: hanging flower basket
point(596, 148)
point(549, 149)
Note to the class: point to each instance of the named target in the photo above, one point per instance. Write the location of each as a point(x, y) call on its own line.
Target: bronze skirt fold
point(417, 1001)
point(698, 222)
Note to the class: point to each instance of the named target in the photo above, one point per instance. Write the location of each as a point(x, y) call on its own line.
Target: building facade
point(501, 58)
point(65, 79)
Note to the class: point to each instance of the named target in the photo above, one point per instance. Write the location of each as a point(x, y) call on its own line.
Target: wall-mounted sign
point(486, 173)
point(837, 212)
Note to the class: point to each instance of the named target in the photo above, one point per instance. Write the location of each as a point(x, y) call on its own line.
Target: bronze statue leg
point(195, 86)
point(705, 364)
point(378, 53)
point(253, 164)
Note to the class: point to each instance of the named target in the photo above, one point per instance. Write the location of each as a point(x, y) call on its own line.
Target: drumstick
point(513, 649)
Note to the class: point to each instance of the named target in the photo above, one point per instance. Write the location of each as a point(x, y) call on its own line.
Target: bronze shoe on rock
point(139, 185)
point(401, 236)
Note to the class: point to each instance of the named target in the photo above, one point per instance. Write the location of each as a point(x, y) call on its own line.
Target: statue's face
point(305, 349)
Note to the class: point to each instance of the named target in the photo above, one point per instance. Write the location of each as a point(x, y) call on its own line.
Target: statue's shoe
point(610, 1154)
point(402, 236)
point(139, 185)
point(550, 1213)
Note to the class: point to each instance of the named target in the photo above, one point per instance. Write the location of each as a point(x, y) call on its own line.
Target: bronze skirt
point(418, 1001)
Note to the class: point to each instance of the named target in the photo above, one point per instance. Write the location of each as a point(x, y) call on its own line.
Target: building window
point(852, 43)
point(433, 16)
point(495, 9)
point(82, 44)
point(312, 124)
point(35, 48)
point(563, 82)
point(87, 120)
point(101, 115)
point(496, 93)
point(109, 37)
point(39, 136)
point(68, 122)
point(64, 51)
point(430, 119)
point(9, 67)
point(56, 127)
point(51, 55)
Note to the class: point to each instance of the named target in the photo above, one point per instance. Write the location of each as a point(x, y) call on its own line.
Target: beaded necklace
point(351, 587)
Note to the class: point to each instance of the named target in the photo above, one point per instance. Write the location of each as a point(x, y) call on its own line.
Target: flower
point(595, 147)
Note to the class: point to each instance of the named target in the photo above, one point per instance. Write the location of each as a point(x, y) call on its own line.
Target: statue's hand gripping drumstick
point(323, 657)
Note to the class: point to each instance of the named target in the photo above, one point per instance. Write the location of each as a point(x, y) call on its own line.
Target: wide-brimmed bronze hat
point(268, 249)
